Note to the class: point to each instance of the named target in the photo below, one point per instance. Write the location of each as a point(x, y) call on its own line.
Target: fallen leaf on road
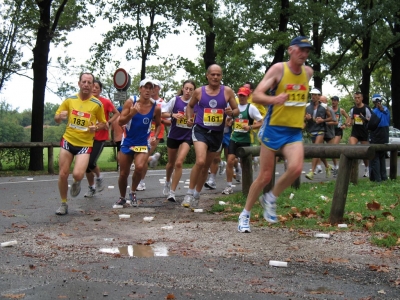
point(170, 297)
point(14, 296)
point(359, 242)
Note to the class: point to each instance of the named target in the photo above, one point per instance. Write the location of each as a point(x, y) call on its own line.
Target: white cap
point(157, 82)
point(315, 91)
point(146, 80)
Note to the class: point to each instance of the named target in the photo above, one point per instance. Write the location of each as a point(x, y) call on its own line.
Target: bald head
point(323, 99)
point(213, 68)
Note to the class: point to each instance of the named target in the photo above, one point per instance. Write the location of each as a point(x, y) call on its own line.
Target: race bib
point(79, 120)
point(182, 123)
point(239, 124)
point(297, 95)
point(213, 116)
point(358, 120)
point(140, 149)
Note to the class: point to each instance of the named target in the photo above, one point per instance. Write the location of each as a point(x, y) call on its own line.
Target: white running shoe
point(154, 160)
point(75, 188)
point(222, 167)
point(187, 200)
point(256, 164)
point(90, 193)
point(171, 197)
point(62, 210)
point(239, 176)
point(167, 188)
point(99, 184)
point(141, 186)
point(211, 185)
point(228, 190)
point(244, 223)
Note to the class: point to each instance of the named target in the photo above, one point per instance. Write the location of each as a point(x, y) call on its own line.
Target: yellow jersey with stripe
point(291, 113)
point(81, 114)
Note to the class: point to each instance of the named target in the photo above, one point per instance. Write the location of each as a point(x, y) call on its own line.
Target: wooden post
point(341, 188)
point(353, 171)
point(393, 165)
point(247, 173)
point(50, 160)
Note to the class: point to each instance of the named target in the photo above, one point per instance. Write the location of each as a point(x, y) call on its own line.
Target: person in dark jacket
point(377, 166)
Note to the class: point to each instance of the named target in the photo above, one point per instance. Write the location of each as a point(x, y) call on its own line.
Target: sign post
point(122, 81)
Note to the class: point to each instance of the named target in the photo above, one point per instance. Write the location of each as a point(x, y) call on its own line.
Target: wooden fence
point(348, 168)
point(49, 146)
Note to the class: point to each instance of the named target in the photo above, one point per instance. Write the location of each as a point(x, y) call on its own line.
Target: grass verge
point(370, 206)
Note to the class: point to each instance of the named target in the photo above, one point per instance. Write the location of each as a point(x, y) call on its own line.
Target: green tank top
point(239, 135)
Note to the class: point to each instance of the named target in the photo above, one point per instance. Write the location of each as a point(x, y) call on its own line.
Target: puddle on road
point(139, 250)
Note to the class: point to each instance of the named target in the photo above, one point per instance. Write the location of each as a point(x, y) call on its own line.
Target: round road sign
point(121, 79)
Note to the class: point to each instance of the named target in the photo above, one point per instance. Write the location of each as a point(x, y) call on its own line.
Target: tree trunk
point(209, 55)
point(40, 60)
point(366, 71)
point(317, 52)
point(283, 22)
point(396, 77)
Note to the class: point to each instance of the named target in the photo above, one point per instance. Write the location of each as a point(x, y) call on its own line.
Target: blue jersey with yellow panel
point(291, 113)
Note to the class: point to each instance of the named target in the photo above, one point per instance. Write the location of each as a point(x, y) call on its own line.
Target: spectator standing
point(343, 119)
point(330, 128)
point(377, 170)
point(316, 117)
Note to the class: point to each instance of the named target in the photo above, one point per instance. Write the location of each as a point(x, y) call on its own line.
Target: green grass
point(369, 207)
point(105, 162)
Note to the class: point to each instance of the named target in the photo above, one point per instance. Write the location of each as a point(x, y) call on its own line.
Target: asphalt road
point(58, 257)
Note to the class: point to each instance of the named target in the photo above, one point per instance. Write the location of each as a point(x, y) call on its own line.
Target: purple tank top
point(211, 111)
point(179, 129)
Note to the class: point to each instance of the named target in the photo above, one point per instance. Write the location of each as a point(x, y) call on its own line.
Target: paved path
point(91, 253)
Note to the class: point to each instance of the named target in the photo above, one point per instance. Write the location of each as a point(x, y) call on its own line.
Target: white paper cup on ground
point(169, 227)
point(29, 179)
point(110, 186)
point(8, 244)
point(322, 235)
point(118, 206)
point(148, 219)
point(123, 216)
point(323, 198)
point(342, 225)
point(198, 210)
point(277, 263)
point(291, 196)
point(222, 203)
